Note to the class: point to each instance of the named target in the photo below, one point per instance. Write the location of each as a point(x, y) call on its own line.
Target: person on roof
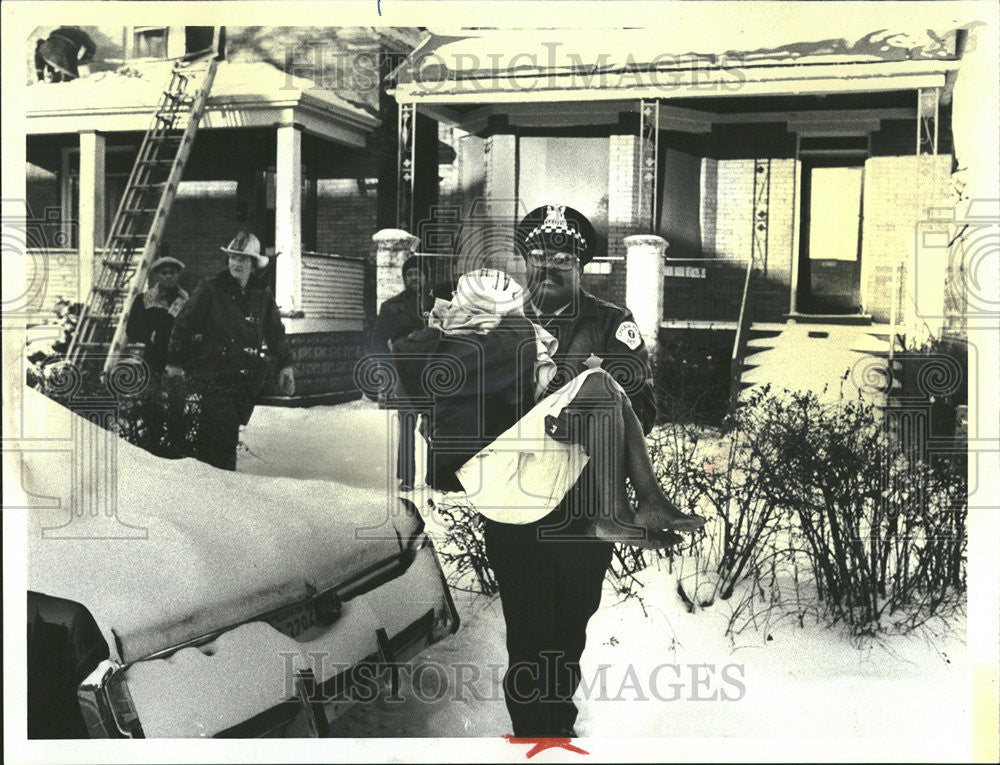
point(59, 56)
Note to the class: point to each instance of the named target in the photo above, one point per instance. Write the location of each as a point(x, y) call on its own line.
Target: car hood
point(163, 551)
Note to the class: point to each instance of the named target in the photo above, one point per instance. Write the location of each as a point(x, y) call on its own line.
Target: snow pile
point(680, 671)
point(161, 551)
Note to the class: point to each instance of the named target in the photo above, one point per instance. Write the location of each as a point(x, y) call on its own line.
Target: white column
point(644, 284)
point(392, 247)
point(288, 218)
point(91, 211)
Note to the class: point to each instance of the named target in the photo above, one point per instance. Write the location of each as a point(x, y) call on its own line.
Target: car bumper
point(253, 680)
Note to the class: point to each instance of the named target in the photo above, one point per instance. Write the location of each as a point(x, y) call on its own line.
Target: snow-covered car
point(171, 599)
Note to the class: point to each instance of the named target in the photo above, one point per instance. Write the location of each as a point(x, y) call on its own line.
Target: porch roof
point(243, 95)
point(708, 55)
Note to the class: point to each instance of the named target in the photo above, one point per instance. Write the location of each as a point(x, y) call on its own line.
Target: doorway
point(829, 279)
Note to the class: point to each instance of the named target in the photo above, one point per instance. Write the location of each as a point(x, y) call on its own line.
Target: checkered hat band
point(555, 231)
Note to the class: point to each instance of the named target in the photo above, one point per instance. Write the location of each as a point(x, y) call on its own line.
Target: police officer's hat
point(557, 227)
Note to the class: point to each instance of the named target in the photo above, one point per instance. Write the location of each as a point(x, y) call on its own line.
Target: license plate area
point(306, 620)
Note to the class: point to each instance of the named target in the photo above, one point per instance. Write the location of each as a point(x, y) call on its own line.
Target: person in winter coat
point(58, 57)
point(226, 333)
point(151, 319)
point(398, 316)
point(473, 368)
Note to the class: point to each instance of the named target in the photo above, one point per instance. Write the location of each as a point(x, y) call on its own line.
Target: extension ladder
point(142, 214)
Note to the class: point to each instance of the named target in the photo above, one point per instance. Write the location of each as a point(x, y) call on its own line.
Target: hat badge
point(555, 216)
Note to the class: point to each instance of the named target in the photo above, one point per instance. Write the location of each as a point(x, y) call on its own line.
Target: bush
point(796, 485)
point(156, 414)
point(884, 536)
point(463, 549)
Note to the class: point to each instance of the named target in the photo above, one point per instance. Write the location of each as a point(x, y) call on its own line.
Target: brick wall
point(623, 206)
point(202, 220)
point(324, 364)
point(734, 209)
point(709, 204)
point(897, 195)
point(727, 214)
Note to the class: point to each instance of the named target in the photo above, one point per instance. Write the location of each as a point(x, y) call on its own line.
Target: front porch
point(788, 180)
point(274, 155)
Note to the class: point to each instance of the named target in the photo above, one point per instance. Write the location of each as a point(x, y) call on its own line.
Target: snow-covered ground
point(679, 671)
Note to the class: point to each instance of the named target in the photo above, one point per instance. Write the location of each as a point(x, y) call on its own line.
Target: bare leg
point(655, 510)
point(611, 434)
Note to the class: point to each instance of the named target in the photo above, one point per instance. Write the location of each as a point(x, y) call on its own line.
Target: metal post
point(761, 212)
point(406, 161)
point(928, 108)
point(649, 152)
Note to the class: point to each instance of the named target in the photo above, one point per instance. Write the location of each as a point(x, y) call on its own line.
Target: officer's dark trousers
point(549, 589)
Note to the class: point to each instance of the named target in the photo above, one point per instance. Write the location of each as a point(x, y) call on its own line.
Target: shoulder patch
point(628, 333)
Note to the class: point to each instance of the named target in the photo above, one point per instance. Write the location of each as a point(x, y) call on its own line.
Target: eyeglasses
point(560, 261)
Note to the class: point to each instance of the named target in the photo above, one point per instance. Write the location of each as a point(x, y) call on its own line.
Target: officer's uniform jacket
point(591, 329)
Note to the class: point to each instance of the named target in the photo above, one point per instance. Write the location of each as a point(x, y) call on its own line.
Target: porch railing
point(740, 341)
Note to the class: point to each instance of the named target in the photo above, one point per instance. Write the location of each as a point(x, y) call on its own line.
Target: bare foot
point(665, 515)
point(637, 536)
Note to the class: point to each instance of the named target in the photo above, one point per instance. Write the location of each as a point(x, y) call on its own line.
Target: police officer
point(549, 572)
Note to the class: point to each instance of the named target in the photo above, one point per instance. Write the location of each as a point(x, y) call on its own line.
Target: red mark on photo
point(541, 744)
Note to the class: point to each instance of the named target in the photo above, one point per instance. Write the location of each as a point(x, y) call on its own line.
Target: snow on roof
point(573, 58)
point(140, 85)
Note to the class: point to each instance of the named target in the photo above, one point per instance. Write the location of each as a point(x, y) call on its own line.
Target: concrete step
point(826, 358)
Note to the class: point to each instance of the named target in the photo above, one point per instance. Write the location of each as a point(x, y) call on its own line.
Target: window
point(149, 42)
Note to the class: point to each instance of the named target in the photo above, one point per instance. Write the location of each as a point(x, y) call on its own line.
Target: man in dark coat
point(398, 316)
point(151, 318)
point(549, 572)
point(58, 57)
point(226, 333)
point(150, 321)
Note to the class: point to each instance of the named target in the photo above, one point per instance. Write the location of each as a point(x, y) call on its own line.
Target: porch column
point(392, 247)
point(644, 284)
point(90, 215)
point(288, 218)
